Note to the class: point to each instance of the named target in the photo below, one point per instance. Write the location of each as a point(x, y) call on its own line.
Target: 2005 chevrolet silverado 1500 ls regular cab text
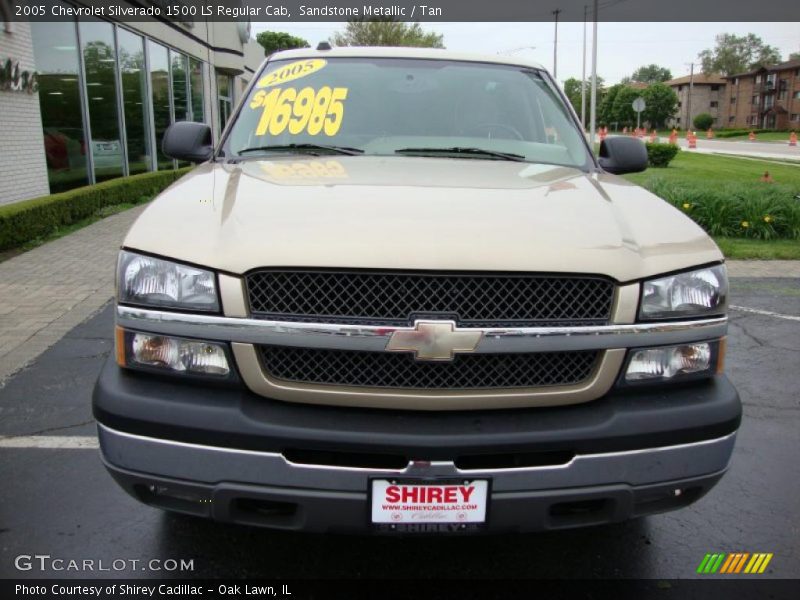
point(401, 295)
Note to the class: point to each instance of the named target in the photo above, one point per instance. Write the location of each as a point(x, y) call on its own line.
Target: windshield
point(406, 107)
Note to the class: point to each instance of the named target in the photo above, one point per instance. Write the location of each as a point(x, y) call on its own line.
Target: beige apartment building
point(696, 95)
point(766, 98)
point(86, 101)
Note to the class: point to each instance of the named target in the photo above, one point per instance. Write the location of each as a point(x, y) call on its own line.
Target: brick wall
point(703, 97)
point(23, 171)
point(788, 100)
point(743, 113)
point(742, 110)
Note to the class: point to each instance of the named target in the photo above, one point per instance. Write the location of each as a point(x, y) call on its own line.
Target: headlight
point(149, 281)
point(666, 363)
point(699, 293)
point(171, 354)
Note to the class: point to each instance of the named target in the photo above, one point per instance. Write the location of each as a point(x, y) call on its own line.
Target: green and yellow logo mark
point(736, 562)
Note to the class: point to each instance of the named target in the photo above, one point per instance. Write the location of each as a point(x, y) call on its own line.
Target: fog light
point(175, 354)
point(669, 362)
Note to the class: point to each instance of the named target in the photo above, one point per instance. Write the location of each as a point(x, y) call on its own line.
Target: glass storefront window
point(196, 85)
point(55, 48)
point(134, 100)
point(159, 84)
point(225, 96)
point(100, 63)
point(155, 86)
point(179, 91)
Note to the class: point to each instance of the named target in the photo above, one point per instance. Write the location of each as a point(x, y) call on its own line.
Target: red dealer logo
point(448, 494)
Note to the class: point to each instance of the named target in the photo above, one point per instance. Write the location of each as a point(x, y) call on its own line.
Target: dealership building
point(86, 101)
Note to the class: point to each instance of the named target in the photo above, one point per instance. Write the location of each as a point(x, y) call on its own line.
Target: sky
point(622, 47)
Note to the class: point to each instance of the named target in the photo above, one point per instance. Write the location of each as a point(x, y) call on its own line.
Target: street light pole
point(583, 74)
point(555, 45)
point(689, 99)
point(593, 109)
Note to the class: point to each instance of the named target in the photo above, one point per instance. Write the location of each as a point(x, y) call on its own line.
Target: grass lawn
point(767, 161)
point(699, 171)
point(704, 169)
point(746, 249)
point(768, 136)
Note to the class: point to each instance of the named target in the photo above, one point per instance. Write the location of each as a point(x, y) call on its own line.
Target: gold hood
point(417, 213)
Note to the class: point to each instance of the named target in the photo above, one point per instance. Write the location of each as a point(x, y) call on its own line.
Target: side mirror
point(623, 155)
point(190, 141)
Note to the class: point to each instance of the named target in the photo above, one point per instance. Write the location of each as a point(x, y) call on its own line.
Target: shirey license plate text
point(398, 502)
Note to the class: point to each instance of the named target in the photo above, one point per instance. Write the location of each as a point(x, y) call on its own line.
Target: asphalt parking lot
point(61, 502)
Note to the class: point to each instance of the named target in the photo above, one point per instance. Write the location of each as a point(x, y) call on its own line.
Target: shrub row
point(726, 133)
point(751, 210)
point(660, 155)
point(28, 220)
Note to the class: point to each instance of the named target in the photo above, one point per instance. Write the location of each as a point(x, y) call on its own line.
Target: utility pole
point(593, 109)
point(583, 74)
point(555, 45)
point(689, 99)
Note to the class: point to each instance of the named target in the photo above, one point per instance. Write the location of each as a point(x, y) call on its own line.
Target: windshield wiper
point(311, 147)
point(463, 150)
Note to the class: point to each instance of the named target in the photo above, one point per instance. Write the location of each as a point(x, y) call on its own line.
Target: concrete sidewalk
point(46, 292)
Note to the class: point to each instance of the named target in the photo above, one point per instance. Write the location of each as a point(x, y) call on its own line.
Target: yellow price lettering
point(313, 111)
point(335, 112)
point(281, 111)
point(319, 110)
point(301, 110)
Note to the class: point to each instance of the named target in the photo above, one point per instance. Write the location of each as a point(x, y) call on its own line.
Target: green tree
point(605, 108)
point(651, 74)
point(794, 56)
point(386, 32)
point(736, 54)
point(661, 102)
point(572, 90)
point(622, 110)
point(274, 41)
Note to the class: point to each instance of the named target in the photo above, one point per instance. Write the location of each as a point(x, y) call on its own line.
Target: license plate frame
point(429, 525)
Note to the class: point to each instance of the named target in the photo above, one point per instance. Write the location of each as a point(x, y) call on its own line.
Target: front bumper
point(231, 455)
point(205, 481)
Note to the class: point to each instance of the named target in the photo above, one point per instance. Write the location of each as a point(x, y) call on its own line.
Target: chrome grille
point(394, 298)
point(396, 370)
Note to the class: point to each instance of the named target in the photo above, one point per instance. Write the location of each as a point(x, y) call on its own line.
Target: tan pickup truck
point(402, 295)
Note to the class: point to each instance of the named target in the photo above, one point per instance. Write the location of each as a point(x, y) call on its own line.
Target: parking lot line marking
point(50, 441)
point(766, 313)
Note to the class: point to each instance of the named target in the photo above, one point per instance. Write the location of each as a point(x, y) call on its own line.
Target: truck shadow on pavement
point(222, 550)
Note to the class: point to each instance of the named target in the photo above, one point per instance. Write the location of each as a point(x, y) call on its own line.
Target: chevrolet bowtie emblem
point(434, 340)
